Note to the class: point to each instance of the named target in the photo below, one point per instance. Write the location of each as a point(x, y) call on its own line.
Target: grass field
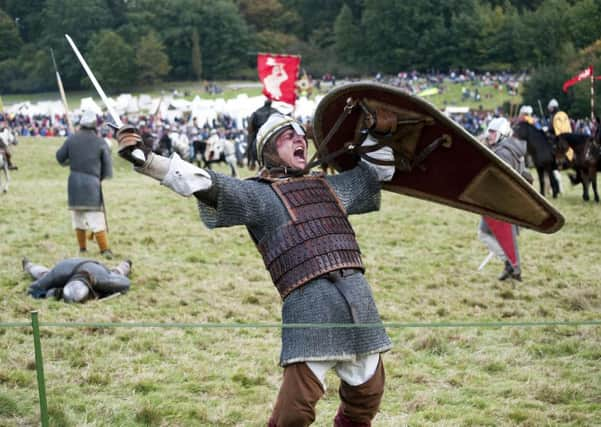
point(421, 261)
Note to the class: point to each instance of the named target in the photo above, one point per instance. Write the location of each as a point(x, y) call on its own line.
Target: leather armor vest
point(318, 239)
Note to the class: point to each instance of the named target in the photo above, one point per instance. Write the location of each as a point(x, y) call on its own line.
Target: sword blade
point(92, 78)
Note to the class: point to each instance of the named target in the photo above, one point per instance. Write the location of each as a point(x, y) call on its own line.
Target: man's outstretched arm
point(180, 176)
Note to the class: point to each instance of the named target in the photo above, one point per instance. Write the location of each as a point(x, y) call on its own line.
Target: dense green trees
point(9, 36)
point(196, 55)
point(131, 42)
point(108, 51)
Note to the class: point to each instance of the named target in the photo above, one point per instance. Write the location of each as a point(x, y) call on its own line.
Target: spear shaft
point(62, 92)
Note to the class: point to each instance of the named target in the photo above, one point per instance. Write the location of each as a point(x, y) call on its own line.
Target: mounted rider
point(255, 121)
point(525, 115)
point(559, 123)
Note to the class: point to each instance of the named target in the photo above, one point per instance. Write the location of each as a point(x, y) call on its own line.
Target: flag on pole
point(584, 74)
point(278, 75)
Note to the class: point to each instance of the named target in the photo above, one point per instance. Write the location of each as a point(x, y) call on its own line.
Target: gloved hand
point(131, 145)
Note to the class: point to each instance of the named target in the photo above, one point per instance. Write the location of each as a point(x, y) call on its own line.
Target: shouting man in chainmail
point(299, 224)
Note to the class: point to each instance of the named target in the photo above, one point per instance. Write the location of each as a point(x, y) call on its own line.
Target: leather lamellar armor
point(318, 239)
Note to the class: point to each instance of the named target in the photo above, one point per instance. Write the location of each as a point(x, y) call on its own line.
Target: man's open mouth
point(299, 153)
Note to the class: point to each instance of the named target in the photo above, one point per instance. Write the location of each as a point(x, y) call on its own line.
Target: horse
point(197, 152)
point(541, 151)
point(4, 170)
point(215, 150)
point(241, 146)
point(587, 155)
point(181, 145)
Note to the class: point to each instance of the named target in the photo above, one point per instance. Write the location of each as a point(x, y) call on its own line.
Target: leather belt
point(334, 276)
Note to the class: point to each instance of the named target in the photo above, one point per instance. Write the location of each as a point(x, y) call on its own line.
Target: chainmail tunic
point(255, 205)
point(89, 159)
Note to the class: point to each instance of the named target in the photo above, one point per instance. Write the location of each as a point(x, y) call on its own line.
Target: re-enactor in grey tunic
point(254, 204)
point(89, 159)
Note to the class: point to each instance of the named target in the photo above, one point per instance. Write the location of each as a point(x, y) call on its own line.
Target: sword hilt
point(129, 145)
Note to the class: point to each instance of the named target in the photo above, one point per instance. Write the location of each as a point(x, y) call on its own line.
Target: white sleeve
point(180, 176)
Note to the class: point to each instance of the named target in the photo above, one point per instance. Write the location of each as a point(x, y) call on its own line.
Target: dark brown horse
point(540, 150)
point(586, 159)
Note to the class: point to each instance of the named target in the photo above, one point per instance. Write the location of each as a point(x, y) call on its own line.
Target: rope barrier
point(390, 325)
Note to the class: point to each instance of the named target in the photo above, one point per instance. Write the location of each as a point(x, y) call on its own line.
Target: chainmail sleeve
point(231, 201)
point(358, 189)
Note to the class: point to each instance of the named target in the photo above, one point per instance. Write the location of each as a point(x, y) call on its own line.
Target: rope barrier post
point(39, 366)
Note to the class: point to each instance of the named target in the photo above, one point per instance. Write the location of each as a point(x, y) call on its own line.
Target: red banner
point(278, 76)
point(584, 74)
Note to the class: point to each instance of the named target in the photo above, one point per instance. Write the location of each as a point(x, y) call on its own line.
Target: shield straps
point(389, 130)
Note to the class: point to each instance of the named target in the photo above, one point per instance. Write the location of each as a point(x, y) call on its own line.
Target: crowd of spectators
point(35, 125)
point(414, 82)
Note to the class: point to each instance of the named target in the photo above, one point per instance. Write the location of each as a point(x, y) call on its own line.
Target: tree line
point(136, 42)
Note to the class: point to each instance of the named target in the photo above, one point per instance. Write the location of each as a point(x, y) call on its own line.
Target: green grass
point(491, 98)
point(421, 261)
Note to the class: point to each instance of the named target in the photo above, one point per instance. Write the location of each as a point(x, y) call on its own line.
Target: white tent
point(305, 108)
point(126, 103)
point(144, 102)
point(89, 104)
point(170, 108)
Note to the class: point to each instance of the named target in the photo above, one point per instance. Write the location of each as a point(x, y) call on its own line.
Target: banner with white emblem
point(278, 74)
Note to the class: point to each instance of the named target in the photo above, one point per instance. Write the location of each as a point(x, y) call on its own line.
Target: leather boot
point(81, 239)
point(508, 272)
point(342, 420)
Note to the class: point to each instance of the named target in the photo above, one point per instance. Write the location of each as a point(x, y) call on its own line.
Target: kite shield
point(435, 158)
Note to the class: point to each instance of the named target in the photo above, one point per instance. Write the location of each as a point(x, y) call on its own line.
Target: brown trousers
point(301, 390)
